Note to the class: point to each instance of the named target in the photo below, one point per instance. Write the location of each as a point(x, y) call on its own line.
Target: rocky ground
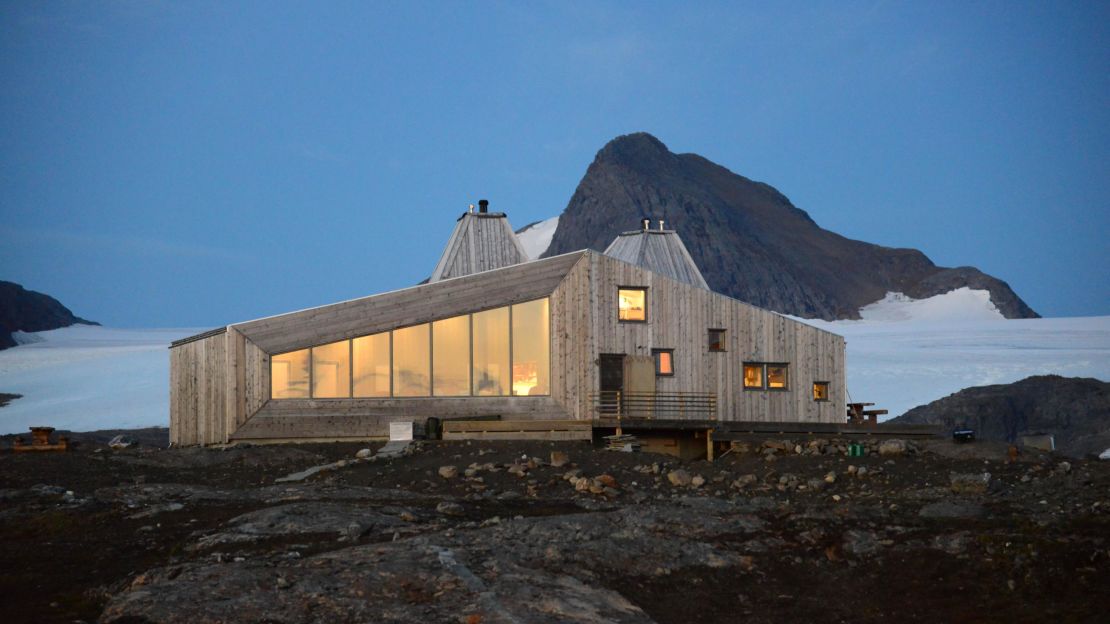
point(778, 530)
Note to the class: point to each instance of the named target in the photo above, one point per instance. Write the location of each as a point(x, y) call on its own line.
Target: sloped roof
point(659, 251)
point(481, 242)
point(409, 306)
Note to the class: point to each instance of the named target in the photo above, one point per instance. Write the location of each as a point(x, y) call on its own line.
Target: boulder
point(893, 447)
point(559, 459)
point(447, 508)
point(679, 478)
point(364, 454)
point(122, 441)
point(448, 472)
point(973, 483)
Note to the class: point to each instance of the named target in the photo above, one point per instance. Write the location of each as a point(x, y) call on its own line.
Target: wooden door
point(611, 383)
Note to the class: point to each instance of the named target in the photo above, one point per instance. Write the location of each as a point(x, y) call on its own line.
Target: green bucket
point(855, 450)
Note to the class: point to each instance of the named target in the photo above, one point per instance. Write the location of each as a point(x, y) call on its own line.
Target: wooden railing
point(657, 405)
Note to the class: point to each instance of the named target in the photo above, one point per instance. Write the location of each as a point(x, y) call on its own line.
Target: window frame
point(827, 398)
point(762, 366)
point(722, 342)
point(785, 366)
point(269, 361)
point(647, 305)
point(655, 353)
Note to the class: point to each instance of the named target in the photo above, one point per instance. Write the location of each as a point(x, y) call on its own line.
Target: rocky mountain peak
point(748, 239)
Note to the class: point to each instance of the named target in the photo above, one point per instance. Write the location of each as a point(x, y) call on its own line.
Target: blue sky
point(194, 164)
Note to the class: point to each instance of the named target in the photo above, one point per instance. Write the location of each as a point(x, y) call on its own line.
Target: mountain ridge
point(31, 311)
point(748, 239)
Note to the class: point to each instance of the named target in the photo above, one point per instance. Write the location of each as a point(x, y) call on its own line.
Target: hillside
point(1075, 410)
point(748, 239)
point(29, 311)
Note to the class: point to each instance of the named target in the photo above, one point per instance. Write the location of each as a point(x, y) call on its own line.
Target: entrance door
point(611, 383)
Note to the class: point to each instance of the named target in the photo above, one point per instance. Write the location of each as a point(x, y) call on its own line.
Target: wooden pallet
point(517, 430)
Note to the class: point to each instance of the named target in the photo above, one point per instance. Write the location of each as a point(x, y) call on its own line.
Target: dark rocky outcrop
point(30, 311)
point(1075, 410)
point(748, 239)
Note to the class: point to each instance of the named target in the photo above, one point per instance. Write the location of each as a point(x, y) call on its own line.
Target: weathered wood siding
point(679, 317)
point(480, 242)
point(370, 418)
point(219, 385)
point(198, 392)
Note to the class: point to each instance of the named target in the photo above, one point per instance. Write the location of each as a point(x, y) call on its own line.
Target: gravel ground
point(779, 530)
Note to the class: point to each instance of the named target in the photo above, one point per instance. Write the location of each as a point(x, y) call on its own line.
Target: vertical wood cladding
point(219, 385)
point(679, 317)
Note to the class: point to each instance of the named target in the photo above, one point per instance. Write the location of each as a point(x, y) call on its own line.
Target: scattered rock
point(122, 442)
point(559, 459)
point(973, 483)
point(364, 454)
point(679, 478)
point(447, 508)
point(744, 481)
point(951, 509)
point(448, 472)
point(830, 477)
point(861, 543)
point(892, 447)
point(697, 481)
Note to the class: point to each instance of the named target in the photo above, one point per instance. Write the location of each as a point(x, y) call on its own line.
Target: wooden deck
point(517, 430)
point(732, 430)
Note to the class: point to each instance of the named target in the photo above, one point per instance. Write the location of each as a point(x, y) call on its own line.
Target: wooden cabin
point(634, 332)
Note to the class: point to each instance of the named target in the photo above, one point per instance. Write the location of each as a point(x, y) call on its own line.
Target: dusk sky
point(193, 164)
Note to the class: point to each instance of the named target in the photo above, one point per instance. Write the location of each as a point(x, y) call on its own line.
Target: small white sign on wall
point(400, 431)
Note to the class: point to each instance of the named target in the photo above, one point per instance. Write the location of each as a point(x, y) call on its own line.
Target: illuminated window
point(289, 375)
point(820, 391)
point(776, 376)
point(664, 362)
point(411, 361)
point(491, 352)
point(331, 370)
point(716, 340)
point(371, 365)
point(753, 376)
point(451, 356)
point(531, 346)
point(632, 304)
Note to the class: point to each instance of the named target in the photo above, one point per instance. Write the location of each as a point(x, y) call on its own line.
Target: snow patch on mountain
point(536, 238)
point(962, 304)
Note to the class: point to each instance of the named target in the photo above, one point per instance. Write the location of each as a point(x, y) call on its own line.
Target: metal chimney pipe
point(646, 222)
point(483, 206)
point(660, 225)
point(471, 209)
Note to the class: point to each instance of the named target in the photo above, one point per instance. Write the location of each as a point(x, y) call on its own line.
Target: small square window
point(632, 304)
point(716, 340)
point(664, 362)
point(753, 376)
point(776, 376)
point(820, 391)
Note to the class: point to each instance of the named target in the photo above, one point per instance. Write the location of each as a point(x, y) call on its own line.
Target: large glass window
point(531, 344)
point(632, 304)
point(451, 356)
point(491, 352)
point(499, 352)
point(371, 365)
point(820, 391)
point(411, 365)
point(289, 375)
point(331, 371)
